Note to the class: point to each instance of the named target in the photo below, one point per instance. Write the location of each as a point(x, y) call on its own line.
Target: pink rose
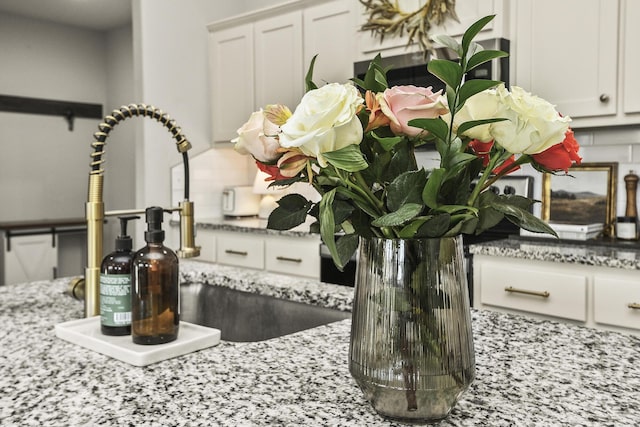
point(258, 138)
point(404, 103)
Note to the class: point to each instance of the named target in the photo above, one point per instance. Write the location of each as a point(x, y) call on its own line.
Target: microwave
point(411, 69)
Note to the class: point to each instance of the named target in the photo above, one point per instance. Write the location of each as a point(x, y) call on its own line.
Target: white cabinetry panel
point(617, 300)
point(30, 258)
point(631, 56)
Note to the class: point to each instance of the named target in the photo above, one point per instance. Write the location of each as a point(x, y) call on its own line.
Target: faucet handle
point(188, 248)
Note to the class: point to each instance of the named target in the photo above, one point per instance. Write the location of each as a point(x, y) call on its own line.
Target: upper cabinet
point(262, 58)
point(584, 65)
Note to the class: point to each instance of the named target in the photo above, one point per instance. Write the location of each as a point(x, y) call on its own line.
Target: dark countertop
point(529, 372)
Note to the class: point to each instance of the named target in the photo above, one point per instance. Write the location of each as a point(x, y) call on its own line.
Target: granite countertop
point(529, 371)
point(251, 225)
point(585, 253)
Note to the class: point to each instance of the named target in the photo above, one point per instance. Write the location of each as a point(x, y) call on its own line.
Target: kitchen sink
point(244, 316)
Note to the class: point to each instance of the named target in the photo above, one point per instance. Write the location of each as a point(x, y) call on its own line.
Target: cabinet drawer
point(535, 290)
point(617, 301)
point(290, 256)
point(240, 250)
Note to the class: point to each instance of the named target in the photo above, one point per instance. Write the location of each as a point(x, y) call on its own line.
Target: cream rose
point(324, 121)
point(404, 103)
point(533, 124)
point(257, 137)
point(480, 106)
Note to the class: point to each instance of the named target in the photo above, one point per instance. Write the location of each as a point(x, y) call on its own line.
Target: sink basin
point(244, 316)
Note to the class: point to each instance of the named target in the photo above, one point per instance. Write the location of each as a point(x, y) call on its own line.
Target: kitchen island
point(529, 371)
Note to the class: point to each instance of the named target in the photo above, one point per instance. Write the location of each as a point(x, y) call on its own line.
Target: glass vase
point(411, 349)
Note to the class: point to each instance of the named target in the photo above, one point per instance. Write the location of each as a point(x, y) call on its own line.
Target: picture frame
point(587, 196)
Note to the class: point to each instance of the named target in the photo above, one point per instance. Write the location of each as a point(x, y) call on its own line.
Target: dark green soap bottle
point(155, 301)
point(115, 285)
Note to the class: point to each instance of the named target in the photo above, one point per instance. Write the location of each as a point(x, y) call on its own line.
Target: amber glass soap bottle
point(155, 302)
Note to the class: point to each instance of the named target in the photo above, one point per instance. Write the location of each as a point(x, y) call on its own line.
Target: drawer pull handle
point(543, 294)
point(284, 258)
point(232, 252)
point(634, 305)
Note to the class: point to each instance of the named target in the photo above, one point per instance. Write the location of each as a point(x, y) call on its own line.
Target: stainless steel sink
point(244, 316)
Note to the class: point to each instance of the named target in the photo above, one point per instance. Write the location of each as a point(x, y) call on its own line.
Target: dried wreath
point(387, 18)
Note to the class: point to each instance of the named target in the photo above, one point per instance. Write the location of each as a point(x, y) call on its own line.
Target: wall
point(44, 171)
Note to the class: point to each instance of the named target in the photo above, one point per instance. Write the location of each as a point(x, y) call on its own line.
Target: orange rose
point(376, 117)
point(560, 156)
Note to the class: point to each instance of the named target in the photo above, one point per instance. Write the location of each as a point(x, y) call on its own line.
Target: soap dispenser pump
point(115, 285)
point(156, 293)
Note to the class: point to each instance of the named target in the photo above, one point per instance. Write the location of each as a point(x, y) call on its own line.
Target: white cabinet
point(617, 299)
point(329, 33)
point(206, 239)
point(28, 258)
point(575, 63)
point(600, 297)
point(262, 58)
point(232, 88)
point(287, 255)
point(533, 287)
point(241, 250)
point(630, 58)
point(279, 76)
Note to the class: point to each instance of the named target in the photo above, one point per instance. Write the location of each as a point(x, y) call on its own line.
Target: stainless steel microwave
point(410, 68)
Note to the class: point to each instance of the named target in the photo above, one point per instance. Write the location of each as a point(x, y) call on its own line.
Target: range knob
point(509, 190)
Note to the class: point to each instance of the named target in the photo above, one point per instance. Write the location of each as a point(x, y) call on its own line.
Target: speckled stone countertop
point(564, 252)
point(251, 225)
point(529, 372)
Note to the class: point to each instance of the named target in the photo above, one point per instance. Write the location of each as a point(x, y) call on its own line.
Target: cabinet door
point(533, 287)
point(297, 256)
point(241, 250)
point(29, 258)
point(631, 56)
point(329, 30)
point(206, 239)
point(566, 53)
point(279, 76)
point(617, 299)
point(232, 85)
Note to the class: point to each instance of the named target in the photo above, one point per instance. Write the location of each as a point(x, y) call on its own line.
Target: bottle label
point(115, 299)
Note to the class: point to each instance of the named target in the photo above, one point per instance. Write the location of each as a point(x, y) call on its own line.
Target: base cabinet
point(28, 258)
point(599, 297)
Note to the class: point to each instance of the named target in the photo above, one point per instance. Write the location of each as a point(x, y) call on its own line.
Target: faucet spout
point(95, 212)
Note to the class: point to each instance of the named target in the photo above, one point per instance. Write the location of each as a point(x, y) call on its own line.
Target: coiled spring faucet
point(96, 214)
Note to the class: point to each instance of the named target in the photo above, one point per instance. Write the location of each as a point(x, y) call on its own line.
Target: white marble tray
point(86, 333)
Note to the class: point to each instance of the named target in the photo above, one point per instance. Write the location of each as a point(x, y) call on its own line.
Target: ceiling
point(99, 15)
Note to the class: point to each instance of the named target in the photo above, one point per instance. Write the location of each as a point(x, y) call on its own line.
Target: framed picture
point(586, 196)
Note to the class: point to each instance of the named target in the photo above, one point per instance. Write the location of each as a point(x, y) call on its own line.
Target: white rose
point(533, 124)
point(480, 106)
point(324, 121)
point(257, 137)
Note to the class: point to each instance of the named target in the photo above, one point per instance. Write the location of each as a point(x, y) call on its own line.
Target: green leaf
point(410, 230)
point(473, 31)
point(472, 87)
point(348, 158)
point(308, 80)
point(432, 188)
point(448, 71)
point(525, 220)
point(484, 56)
point(387, 143)
point(451, 209)
point(328, 225)
point(406, 188)
point(435, 126)
point(401, 216)
point(465, 226)
point(346, 246)
point(448, 41)
point(434, 227)
point(292, 211)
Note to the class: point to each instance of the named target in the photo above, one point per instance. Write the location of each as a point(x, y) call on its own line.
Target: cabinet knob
point(604, 98)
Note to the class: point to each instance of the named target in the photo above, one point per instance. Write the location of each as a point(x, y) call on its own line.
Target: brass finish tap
point(95, 213)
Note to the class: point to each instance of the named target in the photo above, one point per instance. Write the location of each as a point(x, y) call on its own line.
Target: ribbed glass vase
point(411, 349)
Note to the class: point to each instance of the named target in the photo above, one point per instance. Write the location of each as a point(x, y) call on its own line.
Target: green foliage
point(376, 189)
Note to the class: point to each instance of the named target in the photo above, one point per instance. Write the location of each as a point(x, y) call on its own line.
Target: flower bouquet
point(354, 143)
point(411, 349)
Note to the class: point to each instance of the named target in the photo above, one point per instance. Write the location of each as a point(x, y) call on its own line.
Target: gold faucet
point(96, 214)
